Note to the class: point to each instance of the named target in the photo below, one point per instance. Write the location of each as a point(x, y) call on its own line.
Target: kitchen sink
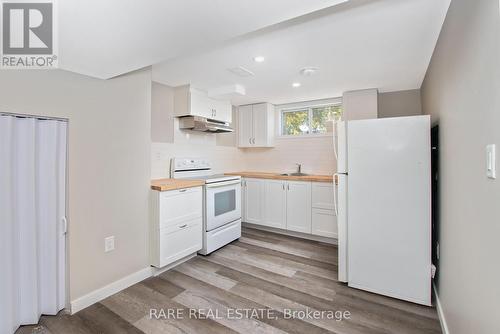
point(294, 174)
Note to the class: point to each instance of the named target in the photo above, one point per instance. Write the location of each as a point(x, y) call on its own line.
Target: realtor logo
point(28, 34)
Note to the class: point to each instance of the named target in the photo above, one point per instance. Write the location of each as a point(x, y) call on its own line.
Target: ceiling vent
point(241, 71)
point(308, 71)
point(227, 92)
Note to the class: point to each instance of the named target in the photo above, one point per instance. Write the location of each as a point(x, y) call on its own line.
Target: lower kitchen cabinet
point(297, 206)
point(275, 203)
point(254, 206)
point(324, 221)
point(176, 224)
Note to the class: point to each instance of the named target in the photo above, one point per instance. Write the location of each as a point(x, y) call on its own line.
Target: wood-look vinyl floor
point(260, 271)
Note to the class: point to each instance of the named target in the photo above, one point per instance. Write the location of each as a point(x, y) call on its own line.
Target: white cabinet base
point(301, 207)
point(177, 242)
point(176, 225)
point(307, 236)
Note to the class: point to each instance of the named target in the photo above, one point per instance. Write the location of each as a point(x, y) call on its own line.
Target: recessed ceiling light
point(296, 84)
point(258, 59)
point(308, 71)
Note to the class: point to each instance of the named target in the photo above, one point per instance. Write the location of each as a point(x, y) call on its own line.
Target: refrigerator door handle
point(335, 140)
point(335, 204)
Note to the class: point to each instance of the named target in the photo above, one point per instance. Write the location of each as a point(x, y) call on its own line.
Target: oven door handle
point(222, 184)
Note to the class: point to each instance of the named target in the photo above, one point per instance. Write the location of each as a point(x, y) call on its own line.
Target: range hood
point(197, 123)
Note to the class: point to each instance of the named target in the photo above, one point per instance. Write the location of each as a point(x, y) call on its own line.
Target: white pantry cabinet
point(256, 125)
point(298, 206)
point(189, 101)
point(175, 228)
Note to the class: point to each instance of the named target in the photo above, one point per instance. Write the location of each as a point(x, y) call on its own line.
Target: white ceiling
point(106, 38)
point(385, 44)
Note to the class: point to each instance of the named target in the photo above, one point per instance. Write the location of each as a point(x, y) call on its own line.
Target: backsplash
point(223, 158)
point(314, 153)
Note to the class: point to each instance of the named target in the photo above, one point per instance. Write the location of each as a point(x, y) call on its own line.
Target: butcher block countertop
point(173, 184)
point(277, 176)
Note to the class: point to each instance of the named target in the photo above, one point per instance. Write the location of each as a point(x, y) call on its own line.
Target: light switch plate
point(491, 161)
point(109, 244)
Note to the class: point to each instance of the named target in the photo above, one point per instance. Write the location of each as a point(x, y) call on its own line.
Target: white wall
point(162, 113)
point(108, 167)
point(461, 93)
point(401, 103)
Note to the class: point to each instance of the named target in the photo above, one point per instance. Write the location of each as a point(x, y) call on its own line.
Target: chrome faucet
point(299, 168)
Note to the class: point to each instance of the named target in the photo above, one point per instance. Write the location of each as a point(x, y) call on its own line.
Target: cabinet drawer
point(322, 195)
point(324, 223)
point(180, 240)
point(181, 205)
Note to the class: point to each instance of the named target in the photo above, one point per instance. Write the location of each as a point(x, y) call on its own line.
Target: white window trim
point(302, 106)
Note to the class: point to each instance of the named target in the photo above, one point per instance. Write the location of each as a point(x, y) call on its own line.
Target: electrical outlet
point(109, 244)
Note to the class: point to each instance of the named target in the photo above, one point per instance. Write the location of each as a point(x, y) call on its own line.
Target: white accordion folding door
point(32, 219)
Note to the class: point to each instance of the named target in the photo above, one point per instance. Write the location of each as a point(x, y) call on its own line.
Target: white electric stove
point(222, 201)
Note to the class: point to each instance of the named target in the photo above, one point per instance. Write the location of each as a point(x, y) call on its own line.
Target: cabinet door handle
point(250, 140)
point(283, 186)
point(183, 226)
point(182, 190)
point(288, 187)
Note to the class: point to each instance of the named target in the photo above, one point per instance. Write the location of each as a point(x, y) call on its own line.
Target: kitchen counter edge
point(277, 176)
point(174, 184)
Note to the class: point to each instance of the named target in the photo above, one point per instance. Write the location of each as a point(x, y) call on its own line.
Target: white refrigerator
point(383, 206)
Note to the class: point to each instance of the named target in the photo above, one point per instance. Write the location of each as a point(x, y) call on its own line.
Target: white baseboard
point(332, 241)
point(117, 286)
point(159, 271)
point(439, 307)
point(110, 289)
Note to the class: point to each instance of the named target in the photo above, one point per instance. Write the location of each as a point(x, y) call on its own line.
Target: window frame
point(302, 107)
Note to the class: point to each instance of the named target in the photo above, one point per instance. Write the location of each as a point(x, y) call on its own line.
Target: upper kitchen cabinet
point(360, 104)
point(256, 125)
point(189, 101)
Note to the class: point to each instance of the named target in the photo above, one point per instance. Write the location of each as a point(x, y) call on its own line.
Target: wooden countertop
point(173, 184)
point(277, 176)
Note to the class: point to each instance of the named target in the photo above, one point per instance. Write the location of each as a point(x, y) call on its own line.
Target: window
point(309, 120)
